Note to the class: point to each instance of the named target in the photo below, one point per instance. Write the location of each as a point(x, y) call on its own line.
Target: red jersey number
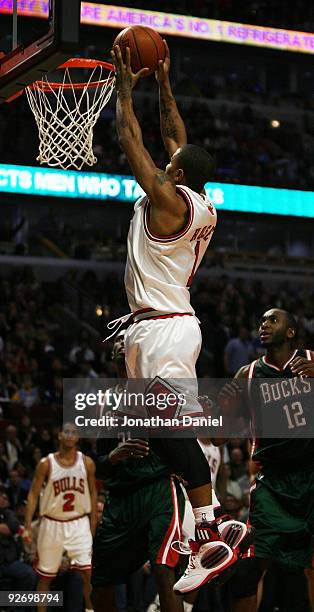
point(69, 499)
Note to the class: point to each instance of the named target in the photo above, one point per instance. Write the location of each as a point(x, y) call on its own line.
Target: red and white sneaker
point(209, 557)
point(234, 533)
point(239, 537)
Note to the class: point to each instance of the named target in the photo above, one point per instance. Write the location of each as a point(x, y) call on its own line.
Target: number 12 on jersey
point(294, 415)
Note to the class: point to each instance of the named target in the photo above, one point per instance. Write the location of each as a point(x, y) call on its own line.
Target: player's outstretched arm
point(41, 474)
point(128, 129)
point(168, 207)
point(171, 123)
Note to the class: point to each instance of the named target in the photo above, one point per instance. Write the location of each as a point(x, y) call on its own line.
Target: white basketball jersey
point(66, 495)
point(213, 456)
point(160, 269)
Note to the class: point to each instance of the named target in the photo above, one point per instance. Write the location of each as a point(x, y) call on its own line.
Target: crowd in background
point(37, 350)
point(247, 147)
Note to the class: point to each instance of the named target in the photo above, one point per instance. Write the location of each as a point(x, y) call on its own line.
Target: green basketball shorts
point(282, 512)
point(137, 527)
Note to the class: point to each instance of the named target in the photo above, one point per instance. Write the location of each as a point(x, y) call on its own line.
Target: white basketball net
point(66, 115)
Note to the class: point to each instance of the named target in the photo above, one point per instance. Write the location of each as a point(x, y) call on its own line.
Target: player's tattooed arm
point(126, 121)
point(168, 209)
point(171, 123)
point(168, 124)
point(128, 128)
point(162, 178)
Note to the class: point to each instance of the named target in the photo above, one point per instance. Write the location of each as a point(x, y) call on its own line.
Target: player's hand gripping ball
point(146, 46)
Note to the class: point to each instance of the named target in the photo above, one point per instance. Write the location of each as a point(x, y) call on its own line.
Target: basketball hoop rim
point(84, 62)
point(75, 62)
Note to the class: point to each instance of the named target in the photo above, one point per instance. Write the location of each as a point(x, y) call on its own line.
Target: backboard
point(29, 61)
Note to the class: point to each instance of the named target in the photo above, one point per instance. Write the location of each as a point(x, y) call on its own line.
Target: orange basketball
point(146, 47)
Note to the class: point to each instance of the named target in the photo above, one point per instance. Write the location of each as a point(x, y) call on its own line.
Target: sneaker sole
point(207, 579)
point(216, 581)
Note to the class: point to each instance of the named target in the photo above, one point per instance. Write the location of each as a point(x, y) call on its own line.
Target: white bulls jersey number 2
point(160, 269)
point(66, 494)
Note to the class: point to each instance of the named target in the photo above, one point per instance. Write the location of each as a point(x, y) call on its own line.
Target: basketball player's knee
point(185, 458)
point(244, 582)
point(197, 479)
point(197, 471)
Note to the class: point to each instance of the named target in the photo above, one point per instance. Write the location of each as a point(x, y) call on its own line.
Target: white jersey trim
point(171, 237)
point(274, 367)
point(250, 375)
point(62, 465)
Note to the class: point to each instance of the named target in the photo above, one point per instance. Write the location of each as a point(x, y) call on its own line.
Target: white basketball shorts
point(167, 349)
point(56, 537)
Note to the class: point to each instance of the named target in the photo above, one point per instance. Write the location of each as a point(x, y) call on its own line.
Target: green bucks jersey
point(287, 404)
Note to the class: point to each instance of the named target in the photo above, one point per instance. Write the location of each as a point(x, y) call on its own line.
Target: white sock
point(88, 610)
point(204, 514)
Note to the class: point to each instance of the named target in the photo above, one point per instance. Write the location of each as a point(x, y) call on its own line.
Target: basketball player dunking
point(64, 482)
point(169, 234)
